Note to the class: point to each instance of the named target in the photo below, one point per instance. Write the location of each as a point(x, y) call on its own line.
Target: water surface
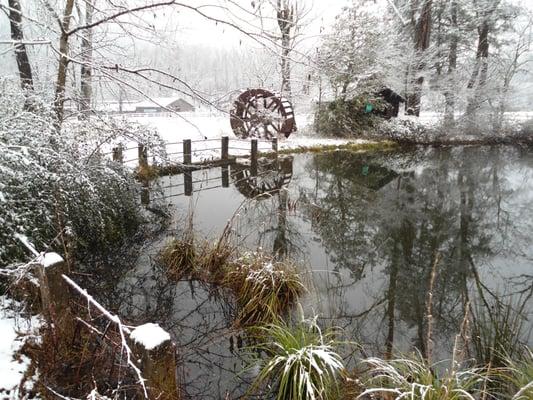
point(370, 232)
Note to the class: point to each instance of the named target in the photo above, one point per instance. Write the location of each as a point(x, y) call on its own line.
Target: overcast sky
point(195, 29)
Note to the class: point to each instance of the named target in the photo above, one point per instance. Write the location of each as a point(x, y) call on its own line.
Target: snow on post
point(55, 297)
point(157, 358)
point(143, 156)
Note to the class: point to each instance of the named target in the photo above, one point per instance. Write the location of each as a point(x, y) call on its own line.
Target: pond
point(372, 233)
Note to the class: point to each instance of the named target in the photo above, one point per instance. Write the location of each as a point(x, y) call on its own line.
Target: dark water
point(367, 230)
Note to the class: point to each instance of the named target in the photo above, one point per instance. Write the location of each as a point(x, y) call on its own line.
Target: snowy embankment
point(14, 331)
point(205, 130)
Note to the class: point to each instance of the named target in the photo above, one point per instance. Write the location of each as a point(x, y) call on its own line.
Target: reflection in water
point(370, 227)
point(272, 175)
point(459, 205)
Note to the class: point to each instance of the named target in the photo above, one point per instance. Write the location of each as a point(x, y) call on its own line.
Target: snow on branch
point(123, 330)
point(26, 42)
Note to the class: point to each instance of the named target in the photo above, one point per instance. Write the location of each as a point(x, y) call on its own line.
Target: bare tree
point(21, 54)
point(87, 58)
point(421, 38)
point(449, 93)
point(64, 24)
point(286, 14)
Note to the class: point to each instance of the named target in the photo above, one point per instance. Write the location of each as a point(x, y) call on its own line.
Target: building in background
point(163, 104)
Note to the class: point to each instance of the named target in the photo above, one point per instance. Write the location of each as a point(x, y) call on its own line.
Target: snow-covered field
point(206, 129)
point(430, 118)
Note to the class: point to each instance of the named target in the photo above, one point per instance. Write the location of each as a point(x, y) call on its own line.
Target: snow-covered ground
point(205, 130)
point(13, 331)
point(430, 117)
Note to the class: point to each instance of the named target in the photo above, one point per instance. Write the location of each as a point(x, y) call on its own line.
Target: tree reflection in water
point(369, 227)
point(461, 204)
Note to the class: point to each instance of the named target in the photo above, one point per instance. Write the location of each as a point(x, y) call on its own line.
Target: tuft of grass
point(301, 363)
point(264, 288)
point(413, 378)
point(146, 173)
point(179, 257)
point(519, 376)
point(498, 345)
point(497, 333)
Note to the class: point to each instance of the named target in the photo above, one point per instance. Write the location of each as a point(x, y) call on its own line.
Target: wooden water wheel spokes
point(272, 176)
point(261, 114)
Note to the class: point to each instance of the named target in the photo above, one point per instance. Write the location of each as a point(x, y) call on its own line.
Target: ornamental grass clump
point(300, 364)
point(179, 256)
point(519, 376)
point(186, 257)
point(413, 378)
point(264, 288)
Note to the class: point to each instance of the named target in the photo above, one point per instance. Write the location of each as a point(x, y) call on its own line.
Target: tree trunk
point(87, 58)
point(21, 54)
point(285, 66)
point(285, 17)
point(480, 69)
point(449, 94)
point(59, 101)
point(422, 41)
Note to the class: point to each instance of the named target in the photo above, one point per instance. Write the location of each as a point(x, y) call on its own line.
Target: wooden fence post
point(143, 156)
point(187, 151)
point(187, 183)
point(275, 145)
point(253, 158)
point(55, 292)
point(157, 358)
point(118, 154)
point(225, 176)
point(224, 154)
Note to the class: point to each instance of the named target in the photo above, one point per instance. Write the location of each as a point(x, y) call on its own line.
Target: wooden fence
point(228, 150)
point(226, 154)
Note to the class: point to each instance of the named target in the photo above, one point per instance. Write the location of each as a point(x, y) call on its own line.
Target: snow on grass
point(13, 332)
point(149, 336)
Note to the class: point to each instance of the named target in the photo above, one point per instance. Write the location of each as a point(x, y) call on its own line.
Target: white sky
point(197, 30)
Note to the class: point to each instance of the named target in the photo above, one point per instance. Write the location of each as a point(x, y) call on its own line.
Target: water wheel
point(260, 114)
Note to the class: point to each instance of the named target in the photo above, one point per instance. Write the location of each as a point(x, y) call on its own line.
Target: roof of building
point(158, 102)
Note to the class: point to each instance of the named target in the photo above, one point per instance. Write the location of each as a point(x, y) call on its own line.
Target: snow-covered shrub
point(348, 117)
point(57, 183)
point(404, 130)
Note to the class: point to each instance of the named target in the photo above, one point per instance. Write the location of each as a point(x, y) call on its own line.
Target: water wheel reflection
point(272, 176)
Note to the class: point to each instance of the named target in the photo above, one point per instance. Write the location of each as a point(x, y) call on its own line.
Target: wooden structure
point(163, 104)
point(259, 113)
point(254, 173)
point(393, 101)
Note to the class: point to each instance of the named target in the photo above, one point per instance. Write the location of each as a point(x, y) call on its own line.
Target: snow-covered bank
point(205, 131)
point(13, 330)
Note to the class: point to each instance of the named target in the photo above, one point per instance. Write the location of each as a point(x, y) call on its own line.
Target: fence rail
point(226, 156)
point(187, 152)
